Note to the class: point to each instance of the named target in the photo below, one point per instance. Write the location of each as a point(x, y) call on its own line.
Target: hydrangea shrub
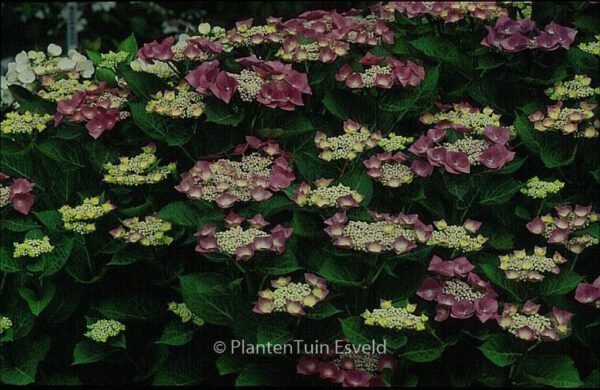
point(419, 175)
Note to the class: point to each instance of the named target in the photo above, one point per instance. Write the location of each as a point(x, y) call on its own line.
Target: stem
point(188, 155)
point(574, 262)
point(464, 214)
point(541, 207)
point(4, 275)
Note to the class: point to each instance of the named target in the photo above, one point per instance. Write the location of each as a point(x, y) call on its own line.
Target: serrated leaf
point(177, 333)
point(560, 284)
point(500, 350)
point(550, 370)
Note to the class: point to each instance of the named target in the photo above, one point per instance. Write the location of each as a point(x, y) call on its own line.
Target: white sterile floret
point(54, 50)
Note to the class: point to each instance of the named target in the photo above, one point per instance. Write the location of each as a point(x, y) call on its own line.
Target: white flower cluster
point(101, 330)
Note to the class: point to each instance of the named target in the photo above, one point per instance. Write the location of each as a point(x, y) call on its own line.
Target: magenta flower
point(587, 293)
point(456, 297)
point(157, 51)
point(19, 194)
point(457, 162)
point(209, 78)
point(564, 228)
point(349, 370)
point(98, 108)
point(496, 156)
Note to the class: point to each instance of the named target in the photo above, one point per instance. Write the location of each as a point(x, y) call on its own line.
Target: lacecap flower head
point(578, 88)
point(530, 267)
point(101, 330)
point(33, 247)
point(458, 292)
point(540, 189)
point(151, 231)
point(563, 227)
point(182, 311)
point(293, 298)
point(390, 316)
point(140, 169)
point(399, 233)
point(243, 243)
point(80, 219)
point(527, 324)
point(262, 168)
point(326, 195)
point(27, 123)
point(463, 237)
point(578, 122)
point(392, 170)
point(356, 139)
point(177, 103)
point(342, 365)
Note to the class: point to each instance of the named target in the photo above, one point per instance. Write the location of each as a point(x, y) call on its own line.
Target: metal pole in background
point(72, 38)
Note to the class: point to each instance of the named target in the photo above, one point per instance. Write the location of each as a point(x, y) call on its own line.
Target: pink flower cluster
point(157, 51)
point(558, 229)
point(516, 35)
point(280, 86)
point(19, 194)
point(292, 298)
point(457, 157)
point(348, 369)
point(325, 50)
point(382, 72)
point(449, 11)
point(458, 292)
point(200, 49)
point(527, 324)
point(349, 26)
point(263, 169)
point(589, 294)
point(99, 108)
point(400, 233)
point(391, 170)
point(208, 78)
point(243, 243)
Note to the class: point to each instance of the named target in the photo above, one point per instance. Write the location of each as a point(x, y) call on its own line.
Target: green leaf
point(52, 219)
point(500, 350)
point(554, 150)
point(22, 368)
point(259, 374)
point(143, 85)
point(278, 265)
point(132, 306)
point(495, 275)
point(322, 311)
point(211, 297)
point(181, 369)
point(499, 192)
point(18, 225)
point(229, 364)
point(173, 132)
point(129, 45)
point(30, 102)
point(176, 333)
point(423, 349)
point(358, 180)
point(128, 255)
point(36, 302)
point(438, 49)
point(307, 225)
point(339, 271)
point(52, 262)
point(223, 114)
point(182, 213)
point(560, 284)
point(274, 331)
point(88, 351)
point(550, 370)
point(355, 331)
